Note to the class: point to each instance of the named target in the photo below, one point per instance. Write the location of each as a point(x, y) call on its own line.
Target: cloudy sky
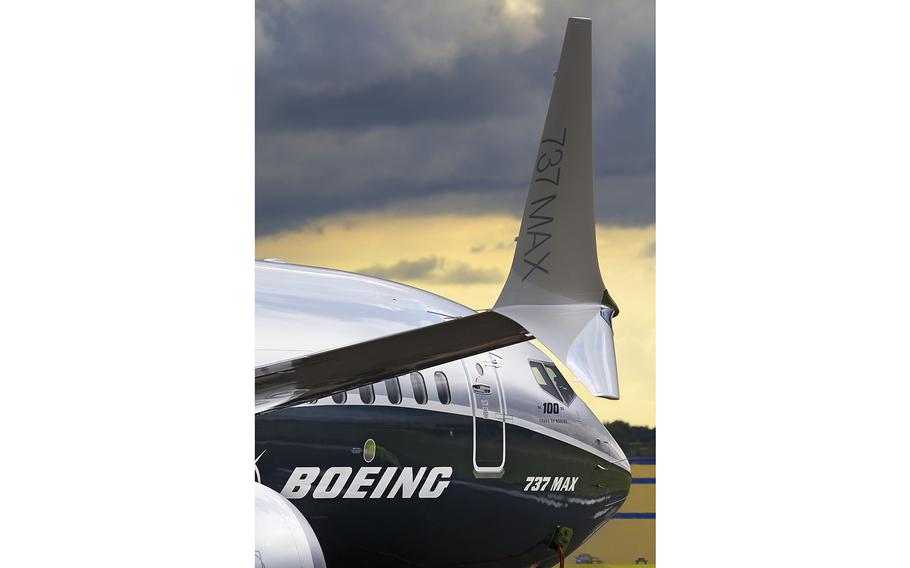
point(396, 138)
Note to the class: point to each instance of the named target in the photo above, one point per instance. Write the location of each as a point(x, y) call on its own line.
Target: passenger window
point(420, 388)
point(340, 397)
point(393, 390)
point(442, 387)
point(367, 394)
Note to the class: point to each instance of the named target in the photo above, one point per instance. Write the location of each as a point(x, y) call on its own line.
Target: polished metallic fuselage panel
point(303, 310)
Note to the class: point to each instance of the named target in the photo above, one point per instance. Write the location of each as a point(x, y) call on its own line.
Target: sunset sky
point(396, 139)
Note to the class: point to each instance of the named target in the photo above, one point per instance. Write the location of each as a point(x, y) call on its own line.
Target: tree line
point(635, 441)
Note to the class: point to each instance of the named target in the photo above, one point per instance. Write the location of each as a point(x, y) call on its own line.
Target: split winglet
point(554, 289)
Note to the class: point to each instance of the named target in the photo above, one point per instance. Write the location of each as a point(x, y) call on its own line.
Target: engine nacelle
point(284, 538)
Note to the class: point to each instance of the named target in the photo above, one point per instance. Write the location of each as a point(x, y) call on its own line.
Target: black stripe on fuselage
point(474, 522)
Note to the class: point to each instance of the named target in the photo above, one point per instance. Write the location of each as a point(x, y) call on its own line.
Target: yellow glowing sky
point(483, 244)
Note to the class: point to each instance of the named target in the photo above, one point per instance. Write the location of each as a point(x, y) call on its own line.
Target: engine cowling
point(284, 538)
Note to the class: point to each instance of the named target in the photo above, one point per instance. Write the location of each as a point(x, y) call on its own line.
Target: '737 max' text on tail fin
point(554, 289)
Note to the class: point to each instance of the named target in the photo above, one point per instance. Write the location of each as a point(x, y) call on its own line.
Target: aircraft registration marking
point(550, 483)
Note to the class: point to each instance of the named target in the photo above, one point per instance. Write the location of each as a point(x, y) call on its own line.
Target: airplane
point(395, 427)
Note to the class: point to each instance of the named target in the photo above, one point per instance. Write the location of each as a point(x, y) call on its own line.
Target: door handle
point(481, 388)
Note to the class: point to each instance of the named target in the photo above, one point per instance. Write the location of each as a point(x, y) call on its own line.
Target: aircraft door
point(488, 406)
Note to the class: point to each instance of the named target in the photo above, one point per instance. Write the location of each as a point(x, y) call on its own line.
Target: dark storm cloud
point(478, 87)
point(435, 269)
point(403, 269)
point(461, 273)
point(378, 105)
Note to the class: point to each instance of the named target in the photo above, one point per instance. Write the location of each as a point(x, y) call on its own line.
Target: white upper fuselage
point(302, 310)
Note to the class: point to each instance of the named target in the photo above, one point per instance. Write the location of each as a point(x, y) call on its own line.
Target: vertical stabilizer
point(554, 289)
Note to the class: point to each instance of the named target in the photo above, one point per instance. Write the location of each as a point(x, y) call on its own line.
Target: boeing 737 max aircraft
point(395, 427)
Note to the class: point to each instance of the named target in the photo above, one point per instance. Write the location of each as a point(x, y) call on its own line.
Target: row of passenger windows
point(393, 389)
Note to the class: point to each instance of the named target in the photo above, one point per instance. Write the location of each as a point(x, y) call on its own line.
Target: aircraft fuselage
point(469, 463)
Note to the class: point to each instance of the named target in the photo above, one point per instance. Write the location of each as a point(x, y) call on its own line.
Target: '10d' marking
point(550, 408)
point(543, 483)
point(548, 170)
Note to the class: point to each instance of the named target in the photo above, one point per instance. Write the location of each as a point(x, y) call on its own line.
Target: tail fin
point(554, 289)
